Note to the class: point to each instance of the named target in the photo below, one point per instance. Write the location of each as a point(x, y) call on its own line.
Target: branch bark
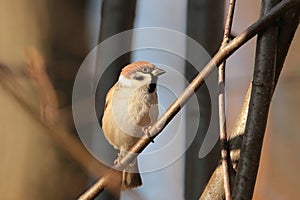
point(287, 26)
point(36, 71)
point(225, 158)
point(262, 90)
point(221, 55)
point(66, 141)
point(215, 187)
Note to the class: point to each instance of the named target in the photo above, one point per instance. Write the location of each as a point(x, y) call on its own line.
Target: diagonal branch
point(65, 140)
point(287, 26)
point(221, 55)
point(36, 71)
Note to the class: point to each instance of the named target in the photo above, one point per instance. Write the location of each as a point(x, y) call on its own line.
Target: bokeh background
point(62, 33)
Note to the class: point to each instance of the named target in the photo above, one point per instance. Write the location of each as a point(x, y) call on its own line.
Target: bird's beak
point(158, 72)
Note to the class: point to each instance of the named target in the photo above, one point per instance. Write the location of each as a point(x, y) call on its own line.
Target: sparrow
point(130, 107)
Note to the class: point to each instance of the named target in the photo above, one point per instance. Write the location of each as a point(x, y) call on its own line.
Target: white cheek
point(125, 81)
point(147, 79)
point(134, 83)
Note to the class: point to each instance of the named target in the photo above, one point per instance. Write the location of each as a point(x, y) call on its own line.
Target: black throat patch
point(151, 87)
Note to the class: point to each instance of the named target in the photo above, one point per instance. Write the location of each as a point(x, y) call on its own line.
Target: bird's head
point(140, 73)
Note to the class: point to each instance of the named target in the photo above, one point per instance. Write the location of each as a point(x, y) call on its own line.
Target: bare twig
point(36, 70)
point(221, 55)
point(66, 141)
point(215, 187)
point(222, 116)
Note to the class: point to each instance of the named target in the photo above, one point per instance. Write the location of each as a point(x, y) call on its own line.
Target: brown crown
point(128, 70)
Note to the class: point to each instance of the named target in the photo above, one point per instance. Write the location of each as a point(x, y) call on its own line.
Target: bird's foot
point(119, 158)
point(146, 132)
point(117, 161)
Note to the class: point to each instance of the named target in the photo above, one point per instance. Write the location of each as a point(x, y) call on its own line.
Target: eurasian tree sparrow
point(131, 106)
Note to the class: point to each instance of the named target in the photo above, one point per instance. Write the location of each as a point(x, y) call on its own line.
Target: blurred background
point(42, 45)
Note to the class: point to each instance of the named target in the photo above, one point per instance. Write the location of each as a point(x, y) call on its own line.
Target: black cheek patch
point(139, 78)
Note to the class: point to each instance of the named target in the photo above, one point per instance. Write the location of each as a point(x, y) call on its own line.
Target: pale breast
point(129, 111)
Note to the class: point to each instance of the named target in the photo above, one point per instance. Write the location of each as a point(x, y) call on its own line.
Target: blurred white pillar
point(167, 182)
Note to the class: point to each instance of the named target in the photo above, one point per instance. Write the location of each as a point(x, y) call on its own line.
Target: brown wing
point(109, 96)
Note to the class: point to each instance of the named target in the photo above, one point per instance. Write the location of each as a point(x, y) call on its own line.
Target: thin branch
point(287, 26)
point(66, 141)
point(36, 70)
point(215, 187)
point(221, 55)
point(226, 163)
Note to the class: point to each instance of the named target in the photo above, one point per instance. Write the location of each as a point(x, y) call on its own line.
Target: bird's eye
point(146, 70)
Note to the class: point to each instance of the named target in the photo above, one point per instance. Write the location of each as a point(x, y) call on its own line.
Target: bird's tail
point(131, 177)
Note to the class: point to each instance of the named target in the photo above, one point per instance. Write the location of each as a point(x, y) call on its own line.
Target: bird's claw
point(117, 161)
point(146, 131)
